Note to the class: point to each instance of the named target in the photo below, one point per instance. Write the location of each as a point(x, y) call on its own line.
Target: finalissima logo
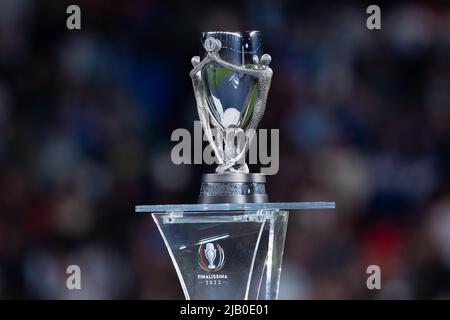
point(210, 256)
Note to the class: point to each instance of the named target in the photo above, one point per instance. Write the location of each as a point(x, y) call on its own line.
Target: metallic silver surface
point(233, 188)
point(241, 56)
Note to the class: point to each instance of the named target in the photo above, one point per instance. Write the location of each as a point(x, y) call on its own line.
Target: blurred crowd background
point(86, 118)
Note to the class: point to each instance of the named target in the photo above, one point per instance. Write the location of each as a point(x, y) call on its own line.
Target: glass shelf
point(233, 206)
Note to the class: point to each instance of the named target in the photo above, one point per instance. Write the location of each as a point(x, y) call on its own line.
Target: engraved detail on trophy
point(237, 188)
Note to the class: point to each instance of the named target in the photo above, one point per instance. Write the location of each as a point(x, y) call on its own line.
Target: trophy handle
point(205, 117)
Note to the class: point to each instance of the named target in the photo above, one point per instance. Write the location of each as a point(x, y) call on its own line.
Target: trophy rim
point(252, 35)
point(229, 31)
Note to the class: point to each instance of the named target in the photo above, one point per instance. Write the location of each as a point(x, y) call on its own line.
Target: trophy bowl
point(230, 94)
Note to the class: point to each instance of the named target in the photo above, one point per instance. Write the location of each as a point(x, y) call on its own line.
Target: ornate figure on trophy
point(230, 244)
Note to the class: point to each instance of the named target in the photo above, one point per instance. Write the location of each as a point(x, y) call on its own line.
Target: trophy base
point(233, 188)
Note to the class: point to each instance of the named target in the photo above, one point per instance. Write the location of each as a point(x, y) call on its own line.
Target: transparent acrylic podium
point(227, 250)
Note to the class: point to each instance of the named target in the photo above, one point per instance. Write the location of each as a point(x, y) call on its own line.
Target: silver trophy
point(231, 85)
point(230, 244)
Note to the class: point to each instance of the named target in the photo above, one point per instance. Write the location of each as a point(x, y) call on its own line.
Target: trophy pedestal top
point(233, 206)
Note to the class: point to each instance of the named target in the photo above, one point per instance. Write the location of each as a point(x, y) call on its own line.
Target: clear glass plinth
point(227, 250)
point(236, 255)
